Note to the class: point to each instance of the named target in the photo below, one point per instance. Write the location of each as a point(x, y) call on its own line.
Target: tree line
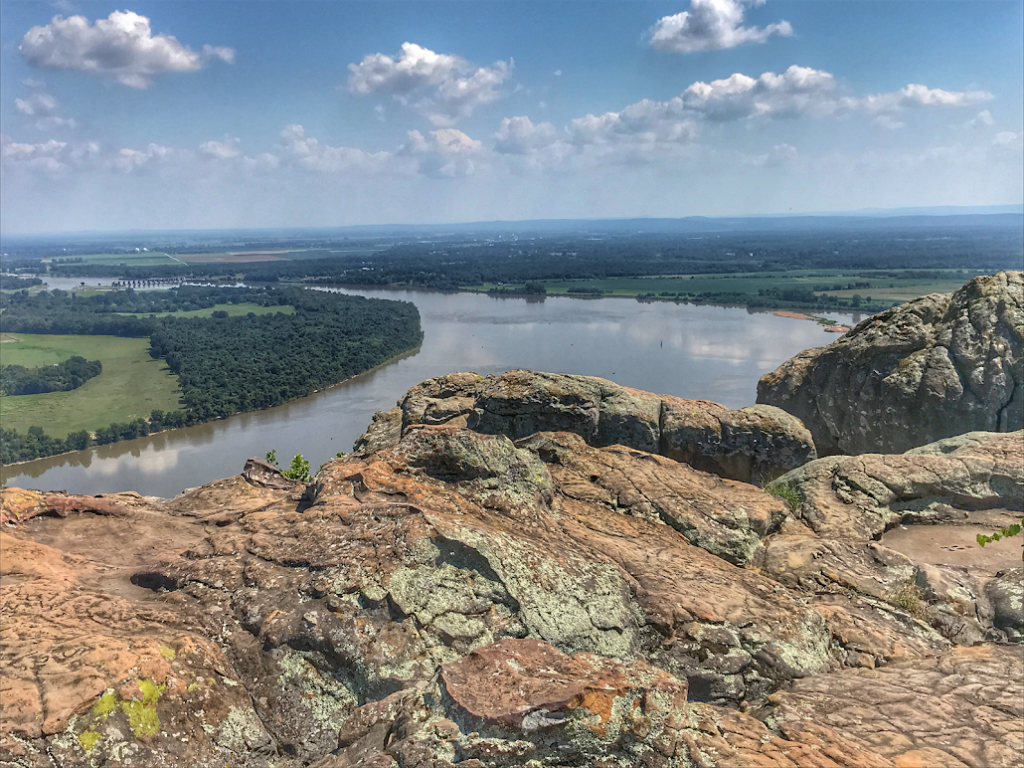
point(63, 377)
point(225, 365)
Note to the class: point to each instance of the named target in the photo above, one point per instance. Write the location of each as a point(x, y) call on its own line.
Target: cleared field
point(894, 289)
point(131, 386)
point(148, 259)
point(233, 310)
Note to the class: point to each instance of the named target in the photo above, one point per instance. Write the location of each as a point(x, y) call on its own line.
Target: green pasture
point(233, 310)
point(147, 259)
point(881, 288)
point(131, 385)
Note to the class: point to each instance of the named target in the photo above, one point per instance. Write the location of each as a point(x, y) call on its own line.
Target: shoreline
point(389, 361)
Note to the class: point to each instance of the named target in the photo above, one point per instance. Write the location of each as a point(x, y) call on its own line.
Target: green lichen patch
point(168, 653)
point(151, 692)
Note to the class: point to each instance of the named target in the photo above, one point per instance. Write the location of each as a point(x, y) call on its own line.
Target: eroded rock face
point(754, 444)
point(466, 598)
point(973, 483)
point(932, 368)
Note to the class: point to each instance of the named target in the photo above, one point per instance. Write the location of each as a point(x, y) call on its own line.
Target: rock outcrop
point(932, 368)
point(753, 444)
point(463, 597)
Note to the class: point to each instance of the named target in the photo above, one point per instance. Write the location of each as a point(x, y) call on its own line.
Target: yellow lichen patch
point(167, 653)
point(143, 719)
point(88, 740)
point(151, 692)
point(106, 704)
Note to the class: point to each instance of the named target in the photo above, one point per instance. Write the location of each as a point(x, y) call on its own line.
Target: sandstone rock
point(752, 444)
point(935, 367)
point(848, 502)
point(963, 708)
point(1006, 592)
point(463, 598)
point(862, 496)
point(266, 475)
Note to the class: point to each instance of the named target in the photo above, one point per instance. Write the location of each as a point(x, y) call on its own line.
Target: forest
point(225, 365)
point(61, 377)
point(14, 283)
point(452, 262)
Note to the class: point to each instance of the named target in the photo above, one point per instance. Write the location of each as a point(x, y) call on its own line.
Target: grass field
point(233, 310)
point(881, 288)
point(146, 259)
point(132, 383)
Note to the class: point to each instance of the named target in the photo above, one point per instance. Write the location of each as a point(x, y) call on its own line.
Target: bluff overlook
point(541, 569)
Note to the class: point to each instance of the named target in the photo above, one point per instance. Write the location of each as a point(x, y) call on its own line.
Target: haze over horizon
point(184, 115)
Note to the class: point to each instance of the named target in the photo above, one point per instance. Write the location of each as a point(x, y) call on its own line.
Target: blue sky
point(236, 114)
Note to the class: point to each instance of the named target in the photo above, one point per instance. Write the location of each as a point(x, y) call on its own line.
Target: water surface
point(705, 352)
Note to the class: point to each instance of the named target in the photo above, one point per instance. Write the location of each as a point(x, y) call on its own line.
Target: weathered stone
point(862, 496)
point(266, 475)
point(460, 598)
point(754, 444)
point(932, 368)
point(963, 708)
point(1006, 592)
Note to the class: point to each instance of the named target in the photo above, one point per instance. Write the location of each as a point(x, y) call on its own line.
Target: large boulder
point(935, 367)
point(752, 444)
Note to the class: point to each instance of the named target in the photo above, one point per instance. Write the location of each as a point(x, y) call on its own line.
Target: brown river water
point(704, 352)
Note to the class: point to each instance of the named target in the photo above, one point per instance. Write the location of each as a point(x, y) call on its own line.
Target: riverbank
point(701, 352)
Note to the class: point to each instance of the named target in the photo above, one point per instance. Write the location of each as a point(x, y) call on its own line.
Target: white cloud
point(309, 153)
point(221, 150)
point(129, 160)
point(121, 46)
point(444, 153)
point(519, 135)
point(797, 91)
point(888, 123)
point(1008, 140)
point(711, 25)
point(442, 87)
point(44, 107)
point(983, 118)
point(914, 95)
point(37, 104)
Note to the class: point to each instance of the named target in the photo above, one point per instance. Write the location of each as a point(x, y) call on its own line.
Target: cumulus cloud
point(309, 153)
point(519, 135)
point(129, 160)
point(222, 150)
point(52, 157)
point(40, 104)
point(43, 106)
point(121, 46)
point(444, 153)
point(442, 87)
point(983, 118)
point(711, 25)
point(797, 91)
point(914, 95)
point(1008, 140)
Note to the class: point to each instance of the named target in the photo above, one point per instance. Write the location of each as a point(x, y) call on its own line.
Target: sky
point(223, 114)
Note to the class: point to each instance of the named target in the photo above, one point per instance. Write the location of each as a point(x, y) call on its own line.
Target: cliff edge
point(935, 367)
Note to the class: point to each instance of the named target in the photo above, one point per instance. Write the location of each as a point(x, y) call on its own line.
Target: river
point(704, 352)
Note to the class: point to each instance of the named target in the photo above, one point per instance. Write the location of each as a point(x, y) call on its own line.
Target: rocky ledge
point(935, 367)
point(490, 587)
